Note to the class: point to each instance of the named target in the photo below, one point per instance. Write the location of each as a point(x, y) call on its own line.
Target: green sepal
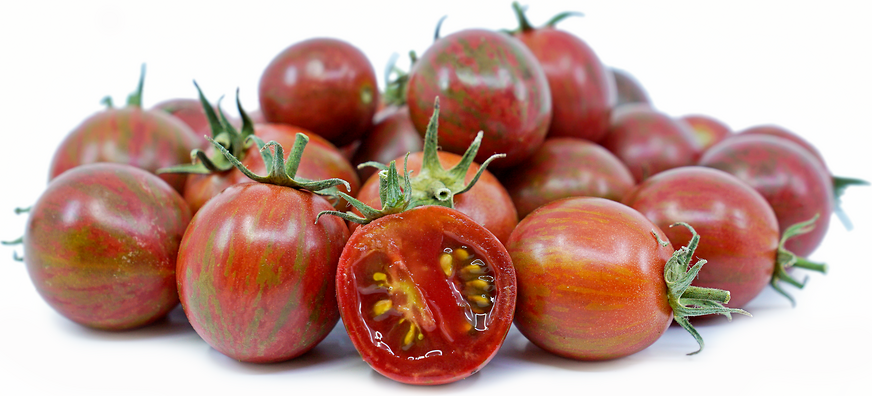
point(397, 80)
point(283, 173)
point(20, 239)
point(786, 259)
point(687, 300)
point(225, 134)
point(135, 97)
point(840, 184)
point(435, 185)
point(525, 26)
point(394, 198)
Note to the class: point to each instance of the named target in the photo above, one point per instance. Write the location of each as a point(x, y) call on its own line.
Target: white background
point(804, 66)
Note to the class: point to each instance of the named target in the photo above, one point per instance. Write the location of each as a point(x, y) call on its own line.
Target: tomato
point(566, 167)
point(794, 183)
point(649, 141)
point(323, 85)
point(465, 185)
point(426, 296)
point(392, 136)
point(593, 279)
point(707, 130)
point(582, 89)
point(629, 90)
point(739, 230)
point(146, 139)
point(487, 81)
point(101, 243)
point(256, 275)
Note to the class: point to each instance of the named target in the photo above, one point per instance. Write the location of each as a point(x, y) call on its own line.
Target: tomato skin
point(324, 85)
point(392, 136)
point(414, 238)
point(486, 81)
point(566, 167)
point(738, 229)
point(792, 180)
point(101, 243)
point(190, 112)
point(256, 276)
point(649, 141)
point(591, 288)
point(487, 202)
point(708, 131)
point(629, 90)
point(775, 130)
point(321, 160)
point(146, 139)
point(582, 89)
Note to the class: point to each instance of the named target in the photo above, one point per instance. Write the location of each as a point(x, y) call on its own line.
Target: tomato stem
point(135, 98)
point(394, 199)
point(687, 300)
point(787, 259)
point(524, 24)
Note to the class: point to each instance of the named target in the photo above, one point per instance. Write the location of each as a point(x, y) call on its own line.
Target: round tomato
point(738, 229)
point(323, 85)
point(256, 274)
point(392, 136)
point(427, 295)
point(486, 81)
point(597, 280)
point(582, 89)
point(795, 184)
point(649, 141)
point(566, 167)
point(146, 139)
point(101, 243)
point(189, 111)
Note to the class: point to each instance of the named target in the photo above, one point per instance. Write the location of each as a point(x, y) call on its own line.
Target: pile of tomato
point(508, 177)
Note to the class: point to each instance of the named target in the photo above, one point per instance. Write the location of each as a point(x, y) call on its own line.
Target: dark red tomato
point(324, 85)
point(590, 279)
point(256, 275)
point(101, 243)
point(391, 137)
point(146, 139)
point(321, 160)
point(738, 230)
point(566, 167)
point(707, 130)
point(189, 111)
point(649, 141)
point(427, 296)
point(792, 180)
point(775, 130)
point(486, 81)
point(487, 202)
point(582, 89)
point(628, 88)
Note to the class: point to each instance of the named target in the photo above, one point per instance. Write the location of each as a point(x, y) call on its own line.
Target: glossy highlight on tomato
point(427, 296)
point(101, 244)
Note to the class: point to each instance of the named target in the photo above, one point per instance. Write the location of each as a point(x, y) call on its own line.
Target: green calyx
point(280, 172)
point(524, 24)
point(397, 80)
point(20, 240)
point(394, 198)
point(840, 184)
point(687, 300)
point(236, 142)
point(786, 259)
point(435, 185)
point(135, 98)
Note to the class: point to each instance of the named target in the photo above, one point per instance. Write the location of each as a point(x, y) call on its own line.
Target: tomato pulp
point(427, 296)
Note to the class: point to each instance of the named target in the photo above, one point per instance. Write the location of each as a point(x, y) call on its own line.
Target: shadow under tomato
point(335, 350)
point(175, 324)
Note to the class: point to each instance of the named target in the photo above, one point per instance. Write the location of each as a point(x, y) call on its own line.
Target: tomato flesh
point(427, 296)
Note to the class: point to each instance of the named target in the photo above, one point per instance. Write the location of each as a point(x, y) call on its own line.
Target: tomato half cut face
point(427, 296)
